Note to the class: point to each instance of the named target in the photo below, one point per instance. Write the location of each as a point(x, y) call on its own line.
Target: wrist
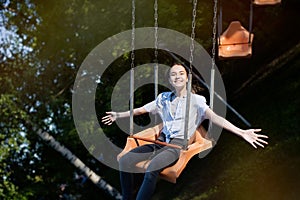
point(242, 132)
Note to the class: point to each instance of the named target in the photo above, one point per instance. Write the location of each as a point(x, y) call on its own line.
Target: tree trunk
point(97, 180)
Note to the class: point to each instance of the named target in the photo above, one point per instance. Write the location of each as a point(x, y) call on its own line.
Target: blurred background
point(43, 44)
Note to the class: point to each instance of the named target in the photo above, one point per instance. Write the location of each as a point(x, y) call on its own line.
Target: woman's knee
point(125, 161)
point(152, 175)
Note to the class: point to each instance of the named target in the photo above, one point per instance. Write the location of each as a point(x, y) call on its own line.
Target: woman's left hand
point(253, 138)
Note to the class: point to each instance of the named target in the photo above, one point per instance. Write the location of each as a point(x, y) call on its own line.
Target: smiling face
point(178, 76)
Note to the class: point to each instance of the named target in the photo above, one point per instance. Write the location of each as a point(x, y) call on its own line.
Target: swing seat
point(198, 143)
point(266, 2)
point(234, 42)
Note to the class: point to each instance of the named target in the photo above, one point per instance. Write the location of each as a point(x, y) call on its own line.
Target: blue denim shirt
point(173, 125)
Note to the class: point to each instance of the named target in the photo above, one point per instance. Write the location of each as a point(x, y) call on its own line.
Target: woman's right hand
point(109, 118)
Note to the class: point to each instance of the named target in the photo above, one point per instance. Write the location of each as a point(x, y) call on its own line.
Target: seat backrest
point(234, 34)
point(266, 2)
point(199, 135)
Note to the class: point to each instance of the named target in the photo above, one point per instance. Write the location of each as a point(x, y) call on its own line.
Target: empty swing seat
point(197, 144)
point(234, 42)
point(266, 2)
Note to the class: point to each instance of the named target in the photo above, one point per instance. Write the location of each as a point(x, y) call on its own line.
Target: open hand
point(109, 118)
point(253, 138)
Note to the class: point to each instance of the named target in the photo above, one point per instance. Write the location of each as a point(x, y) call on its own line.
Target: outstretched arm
point(249, 134)
point(112, 116)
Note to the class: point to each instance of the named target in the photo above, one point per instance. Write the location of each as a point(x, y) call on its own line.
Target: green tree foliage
point(43, 44)
point(14, 152)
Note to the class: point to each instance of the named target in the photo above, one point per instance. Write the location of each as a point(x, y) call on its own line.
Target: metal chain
point(156, 48)
point(214, 33)
point(213, 63)
point(192, 45)
point(189, 85)
point(156, 52)
point(132, 33)
point(212, 73)
point(250, 21)
point(132, 68)
point(156, 28)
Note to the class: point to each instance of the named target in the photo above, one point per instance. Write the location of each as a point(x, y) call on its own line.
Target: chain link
point(214, 33)
point(156, 49)
point(156, 29)
point(132, 68)
point(132, 33)
point(192, 45)
point(212, 78)
point(189, 85)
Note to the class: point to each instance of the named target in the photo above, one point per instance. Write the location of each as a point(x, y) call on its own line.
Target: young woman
point(171, 108)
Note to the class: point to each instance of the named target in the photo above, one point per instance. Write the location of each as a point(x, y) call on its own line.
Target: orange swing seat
point(266, 2)
point(198, 143)
point(234, 42)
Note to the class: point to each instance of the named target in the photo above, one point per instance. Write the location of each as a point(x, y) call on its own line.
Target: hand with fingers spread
point(113, 116)
point(254, 139)
point(249, 134)
point(109, 118)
